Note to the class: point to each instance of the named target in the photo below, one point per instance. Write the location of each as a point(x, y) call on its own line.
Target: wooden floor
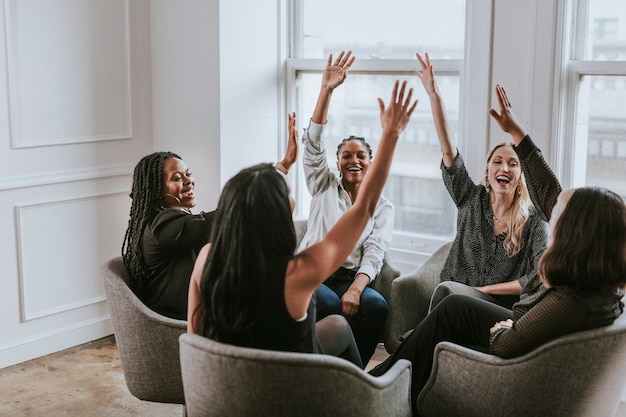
point(84, 381)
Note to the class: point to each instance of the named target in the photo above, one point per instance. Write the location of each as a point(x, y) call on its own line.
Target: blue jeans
point(369, 321)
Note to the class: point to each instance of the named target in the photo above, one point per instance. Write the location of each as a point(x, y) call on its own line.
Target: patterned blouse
point(477, 256)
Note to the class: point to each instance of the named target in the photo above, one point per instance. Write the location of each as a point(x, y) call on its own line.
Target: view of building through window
point(383, 41)
point(601, 103)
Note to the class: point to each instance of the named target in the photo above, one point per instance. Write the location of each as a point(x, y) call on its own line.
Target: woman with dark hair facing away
point(346, 290)
point(579, 282)
point(247, 287)
point(163, 237)
point(500, 234)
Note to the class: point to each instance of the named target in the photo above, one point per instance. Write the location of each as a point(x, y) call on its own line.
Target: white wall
point(523, 59)
point(185, 72)
point(93, 87)
point(74, 117)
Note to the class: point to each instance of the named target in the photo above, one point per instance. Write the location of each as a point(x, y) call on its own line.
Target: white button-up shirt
point(330, 201)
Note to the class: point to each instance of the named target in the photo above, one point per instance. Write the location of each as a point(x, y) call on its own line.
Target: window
point(595, 70)
point(384, 37)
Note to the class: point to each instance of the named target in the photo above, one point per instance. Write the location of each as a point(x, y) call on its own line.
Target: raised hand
point(506, 119)
point(427, 76)
point(335, 74)
point(291, 154)
point(395, 117)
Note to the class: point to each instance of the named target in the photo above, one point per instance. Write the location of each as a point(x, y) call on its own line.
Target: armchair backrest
point(577, 375)
point(410, 297)
point(147, 341)
point(224, 380)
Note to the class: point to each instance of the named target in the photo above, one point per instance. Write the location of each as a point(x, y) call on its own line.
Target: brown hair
point(588, 248)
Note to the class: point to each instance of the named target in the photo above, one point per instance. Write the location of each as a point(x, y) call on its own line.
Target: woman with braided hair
point(163, 237)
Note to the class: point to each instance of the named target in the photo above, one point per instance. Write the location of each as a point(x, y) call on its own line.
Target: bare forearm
point(503, 288)
point(444, 131)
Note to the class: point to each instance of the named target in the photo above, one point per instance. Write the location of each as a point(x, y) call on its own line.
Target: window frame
point(571, 152)
point(473, 102)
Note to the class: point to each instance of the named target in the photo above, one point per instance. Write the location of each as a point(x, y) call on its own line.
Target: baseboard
point(32, 347)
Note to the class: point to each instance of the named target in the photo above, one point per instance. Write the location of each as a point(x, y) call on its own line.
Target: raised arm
point(311, 267)
point(291, 154)
point(543, 185)
point(444, 131)
point(334, 75)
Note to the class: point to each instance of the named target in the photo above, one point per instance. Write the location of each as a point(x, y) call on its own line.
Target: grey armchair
point(228, 381)
point(410, 297)
point(147, 341)
point(579, 375)
point(383, 282)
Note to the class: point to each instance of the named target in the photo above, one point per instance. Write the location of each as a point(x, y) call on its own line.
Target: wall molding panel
point(84, 92)
point(59, 242)
point(60, 177)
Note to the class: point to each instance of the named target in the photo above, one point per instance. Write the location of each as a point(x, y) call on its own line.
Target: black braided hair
point(146, 196)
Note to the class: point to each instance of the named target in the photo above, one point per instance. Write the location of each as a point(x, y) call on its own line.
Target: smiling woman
point(163, 237)
point(178, 185)
point(500, 236)
point(347, 291)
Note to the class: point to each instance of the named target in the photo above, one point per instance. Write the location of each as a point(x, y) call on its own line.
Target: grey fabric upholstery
point(410, 297)
point(579, 375)
point(147, 341)
point(388, 273)
point(227, 381)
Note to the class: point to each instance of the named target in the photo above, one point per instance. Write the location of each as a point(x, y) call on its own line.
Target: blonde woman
point(500, 234)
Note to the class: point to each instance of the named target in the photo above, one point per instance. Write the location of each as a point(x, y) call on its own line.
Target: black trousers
point(460, 319)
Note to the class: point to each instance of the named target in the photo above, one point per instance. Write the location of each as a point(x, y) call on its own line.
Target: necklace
point(500, 222)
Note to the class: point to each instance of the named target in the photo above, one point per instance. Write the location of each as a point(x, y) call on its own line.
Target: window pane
point(601, 126)
point(605, 35)
point(383, 29)
point(415, 187)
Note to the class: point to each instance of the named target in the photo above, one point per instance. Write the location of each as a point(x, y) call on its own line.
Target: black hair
point(356, 139)
point(145, 204)
point(251, 244)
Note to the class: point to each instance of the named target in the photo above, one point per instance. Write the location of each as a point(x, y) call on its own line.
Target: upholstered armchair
point(230, 381)
point(147, 341)
point(383, 282)
point(578, 375)
point(410, 297)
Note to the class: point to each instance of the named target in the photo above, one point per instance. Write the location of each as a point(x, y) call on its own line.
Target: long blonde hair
point(518, 214)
